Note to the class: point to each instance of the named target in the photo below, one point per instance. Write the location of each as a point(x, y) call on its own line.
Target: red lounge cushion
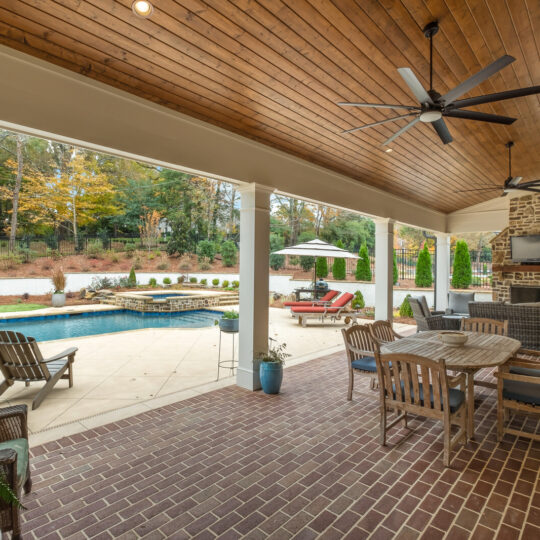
point(313, 309)
point(343, 300)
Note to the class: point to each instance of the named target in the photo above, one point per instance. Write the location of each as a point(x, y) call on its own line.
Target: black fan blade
point(378, 123)
point(401, 131)
point(482, 117)
point(378, 106)
point(497, 96)
point(414, 84)
point(442, 131)
point(477, 78)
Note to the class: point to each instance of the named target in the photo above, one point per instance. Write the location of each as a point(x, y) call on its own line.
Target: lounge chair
point(21, 360)
point(426, 319)
point(324, 301)
point(334, 311)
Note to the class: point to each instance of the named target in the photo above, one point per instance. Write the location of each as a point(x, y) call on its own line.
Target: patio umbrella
point(316, 248)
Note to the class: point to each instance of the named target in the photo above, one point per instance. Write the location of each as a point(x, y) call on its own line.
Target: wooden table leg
point(470, 404)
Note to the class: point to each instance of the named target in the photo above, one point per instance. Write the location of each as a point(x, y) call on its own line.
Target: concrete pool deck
point(122, 374)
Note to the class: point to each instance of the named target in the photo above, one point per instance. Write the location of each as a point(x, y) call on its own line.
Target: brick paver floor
point(303, 464)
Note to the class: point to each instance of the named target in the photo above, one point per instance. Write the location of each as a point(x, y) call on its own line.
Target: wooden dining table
point(480, 351)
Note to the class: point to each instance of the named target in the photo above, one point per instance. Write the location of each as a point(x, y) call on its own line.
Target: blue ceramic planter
point(271, 375)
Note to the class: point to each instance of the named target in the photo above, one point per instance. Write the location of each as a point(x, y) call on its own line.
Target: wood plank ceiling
point(273, 70)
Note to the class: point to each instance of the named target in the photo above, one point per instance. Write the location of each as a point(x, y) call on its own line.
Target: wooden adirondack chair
point(21, 360)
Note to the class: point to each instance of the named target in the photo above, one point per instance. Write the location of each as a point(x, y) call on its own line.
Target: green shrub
point(321, 268)
point(152, 282)
point(94, 249)
point(55, 255)
point(358, 300)
point(26, 255)
point(215, 282)
point(204, 266)
point(204, 281)
point(206, 251)
point(339, 269)
point(167, 281)
point(405, 309)
point(193, 280)
point(180, 279)
point(307, 262)
point(484, 269)
point(163, 266)
point(229, 253)
point(235, 284)
point(424, 276)
point(132, 279)
point(130, 251)
point(151, 256)
point(462, 271)
point(363, 266)
point(225, 284)
point(395, 268)
point(294, 259)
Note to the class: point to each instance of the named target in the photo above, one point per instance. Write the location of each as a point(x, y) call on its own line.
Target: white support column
point(443, 271)
point(384, 280)
point(254, 276)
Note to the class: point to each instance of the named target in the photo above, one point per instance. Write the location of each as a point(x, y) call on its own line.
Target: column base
point(248, 378)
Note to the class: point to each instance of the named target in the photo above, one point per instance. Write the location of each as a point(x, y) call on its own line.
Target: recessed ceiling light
point(142, 8)
point(388, 150)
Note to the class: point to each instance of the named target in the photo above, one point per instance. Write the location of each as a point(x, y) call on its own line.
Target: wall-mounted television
point(525, 249)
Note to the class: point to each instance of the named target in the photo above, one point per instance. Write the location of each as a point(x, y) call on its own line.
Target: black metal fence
point(406, 260)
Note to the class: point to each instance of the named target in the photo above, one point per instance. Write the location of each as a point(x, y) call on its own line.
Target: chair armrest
point(13, 424)
point(458, 380)
point(68, 352)
point(360, 351)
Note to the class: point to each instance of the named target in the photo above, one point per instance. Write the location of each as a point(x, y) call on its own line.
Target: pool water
point(158, 296)
point(105, 322)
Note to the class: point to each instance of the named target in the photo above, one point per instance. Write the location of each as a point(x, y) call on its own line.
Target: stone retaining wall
point(147, 304)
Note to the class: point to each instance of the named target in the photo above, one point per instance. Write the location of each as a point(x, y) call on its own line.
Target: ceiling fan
point(433, 107)
point(512, 182)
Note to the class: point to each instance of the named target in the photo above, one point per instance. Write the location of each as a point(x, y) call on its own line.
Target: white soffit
point(42, 99)
point(488, 216)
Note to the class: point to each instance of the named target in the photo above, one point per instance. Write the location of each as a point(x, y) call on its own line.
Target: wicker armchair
point(14, 463)
point(426, 319)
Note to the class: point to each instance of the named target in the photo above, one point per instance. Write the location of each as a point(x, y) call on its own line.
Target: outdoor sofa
point(523, 320)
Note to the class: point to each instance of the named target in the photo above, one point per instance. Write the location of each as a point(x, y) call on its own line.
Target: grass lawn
point(21, 307)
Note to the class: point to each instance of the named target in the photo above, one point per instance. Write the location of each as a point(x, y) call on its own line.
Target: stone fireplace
point(511, 281)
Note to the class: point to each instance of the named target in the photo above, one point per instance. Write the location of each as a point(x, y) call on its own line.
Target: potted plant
point(229, 322)
point(271, 368)
point(59, 283)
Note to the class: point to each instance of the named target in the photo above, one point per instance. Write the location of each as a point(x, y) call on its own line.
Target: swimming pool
point(159, 296)
point(105, 322)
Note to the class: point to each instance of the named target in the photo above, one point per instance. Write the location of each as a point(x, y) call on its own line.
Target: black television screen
point(525, 248)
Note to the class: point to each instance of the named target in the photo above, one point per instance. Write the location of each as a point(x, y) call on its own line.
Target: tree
point(339, 268)
point(276, 243)
point(424, 276)
point(358, 300)
point(16, 191)
point(229, 253)
point(395, 269)
point(149, 229)
point(321, 267)
point(363, 266)
point(132, 279)
point(462, 272)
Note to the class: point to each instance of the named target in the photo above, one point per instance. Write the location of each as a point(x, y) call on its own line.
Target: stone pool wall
point(137, 302)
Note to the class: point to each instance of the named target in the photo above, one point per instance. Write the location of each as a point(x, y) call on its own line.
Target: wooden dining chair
point(403, 380)
point(360, 348)
point(384, 332)
point(484, 326)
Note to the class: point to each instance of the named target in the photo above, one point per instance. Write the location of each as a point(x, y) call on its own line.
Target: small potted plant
point(271, 368)
point(59, 283)
point(229, 322)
